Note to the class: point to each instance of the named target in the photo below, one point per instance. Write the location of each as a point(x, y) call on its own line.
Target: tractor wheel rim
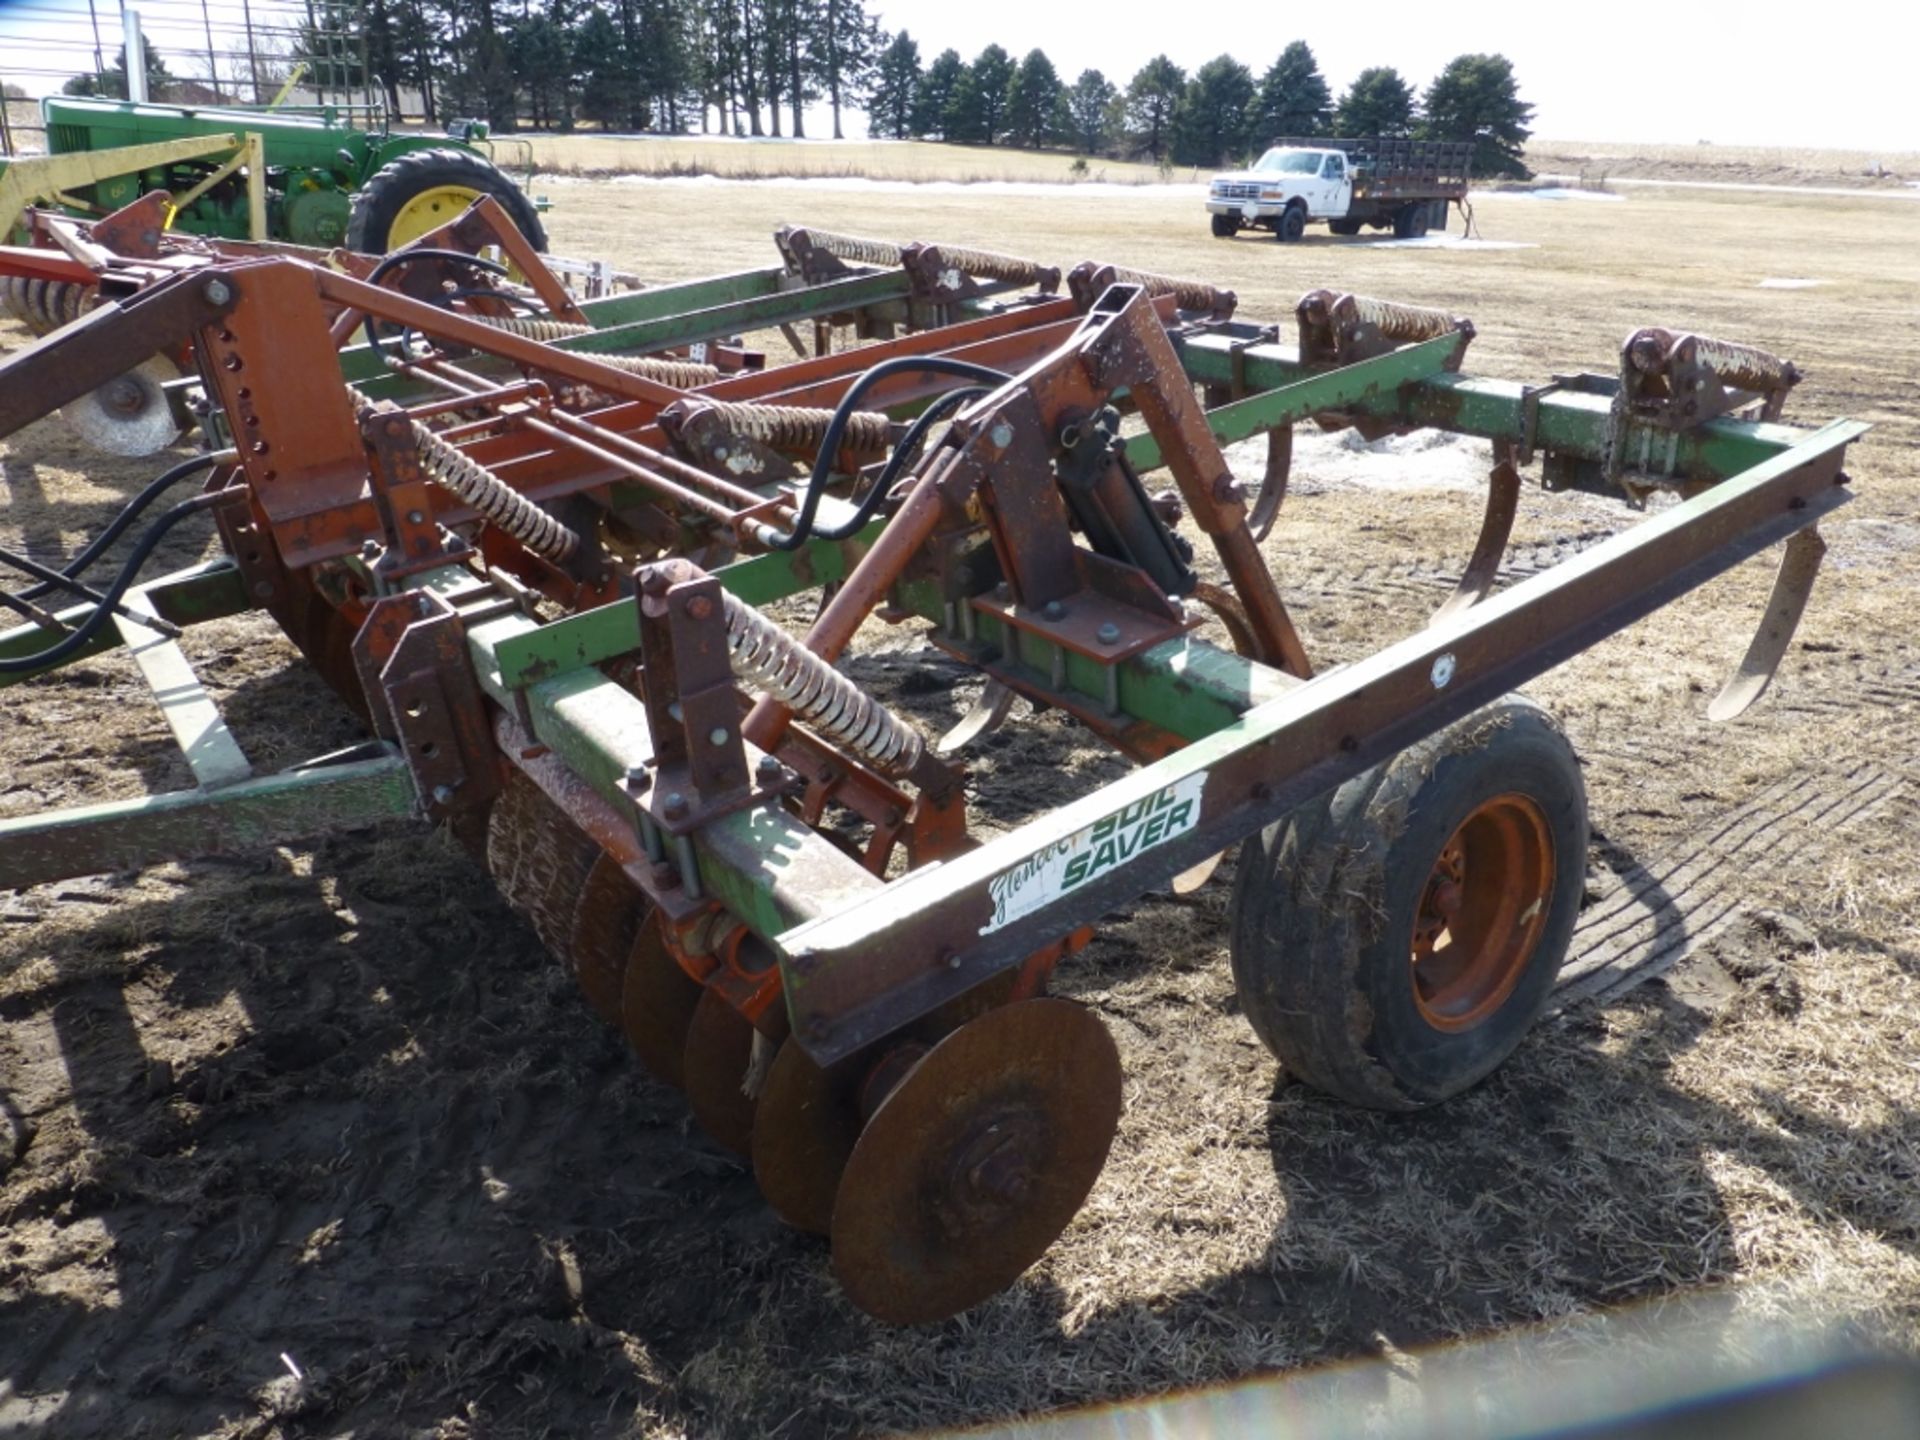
point(427, 211)
point(1482, 912)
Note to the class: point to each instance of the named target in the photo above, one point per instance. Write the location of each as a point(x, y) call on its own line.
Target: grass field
point(333, 1101)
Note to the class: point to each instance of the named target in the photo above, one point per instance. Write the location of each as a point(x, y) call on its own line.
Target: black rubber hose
point(135, 507)
point(837, 429)
point(902, 456)
point(401, 257)
point(122, 582)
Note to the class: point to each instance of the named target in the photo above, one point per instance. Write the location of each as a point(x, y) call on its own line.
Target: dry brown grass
point(1739, 163)
point(1764, 1144)
point(890, 160)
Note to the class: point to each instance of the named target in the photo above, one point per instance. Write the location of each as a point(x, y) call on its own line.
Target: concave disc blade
point(129, 414)
point(976, 1162)
point(605, 921)
point(657, 1001)
point(719, 1048)
point(803, 1131)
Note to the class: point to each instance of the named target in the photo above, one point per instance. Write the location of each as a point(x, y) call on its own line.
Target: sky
point(1840, 73)
point(1836, 74)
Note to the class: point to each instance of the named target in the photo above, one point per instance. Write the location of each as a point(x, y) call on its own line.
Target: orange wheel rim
point(1482, 912)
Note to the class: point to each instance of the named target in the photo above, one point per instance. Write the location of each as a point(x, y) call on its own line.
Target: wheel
point(1344, 227)
point(424, 189)
point(1394, 940)
point(1437, 216)
point(1410, 221)
point(1224, 226)
point(1292, 223)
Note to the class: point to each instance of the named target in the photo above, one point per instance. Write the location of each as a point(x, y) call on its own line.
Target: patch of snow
point(1551, 192)
point(860, 184)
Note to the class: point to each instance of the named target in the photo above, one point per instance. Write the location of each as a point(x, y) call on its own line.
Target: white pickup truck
point(1404, 185)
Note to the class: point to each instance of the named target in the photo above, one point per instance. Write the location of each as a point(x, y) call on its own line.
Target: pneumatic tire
point(1292, 223)
point(1344, 227)
point(393, 190)
point(1394, 940)
point(1224, 226)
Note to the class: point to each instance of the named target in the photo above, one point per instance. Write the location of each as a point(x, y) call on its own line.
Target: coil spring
point(800, 427)
point(680, 374)
point(991, 265)
point(494, 498)
point(772, 661)
point(1190, 294)
point(1400, 322)
point(450, 467)
point(534, 327)
point(857, 248)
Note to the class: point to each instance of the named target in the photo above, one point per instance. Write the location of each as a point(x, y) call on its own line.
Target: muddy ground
point(329, 1108)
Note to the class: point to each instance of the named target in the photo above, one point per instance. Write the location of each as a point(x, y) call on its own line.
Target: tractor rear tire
point(1225, 226)
point(425, 189)
point(1394, 940)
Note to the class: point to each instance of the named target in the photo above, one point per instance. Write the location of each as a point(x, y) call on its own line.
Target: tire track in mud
point(1657, 914)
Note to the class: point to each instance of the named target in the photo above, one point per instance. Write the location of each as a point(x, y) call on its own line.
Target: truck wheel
point(1410, 221)
point(1395, 939)
point(424, 189)
point(1437, 216)
point(1225, 226)
point(1292, 223)
point(1344, 227)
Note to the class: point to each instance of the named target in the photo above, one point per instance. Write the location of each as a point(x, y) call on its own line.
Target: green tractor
point(328, 182)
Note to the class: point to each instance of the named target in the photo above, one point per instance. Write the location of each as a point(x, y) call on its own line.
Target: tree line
point(1219, 114)
point(755, 67)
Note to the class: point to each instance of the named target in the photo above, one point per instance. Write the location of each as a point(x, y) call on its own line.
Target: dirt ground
point(330, 1109)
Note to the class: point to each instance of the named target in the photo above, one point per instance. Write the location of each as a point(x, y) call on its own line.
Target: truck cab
point(1285, 188)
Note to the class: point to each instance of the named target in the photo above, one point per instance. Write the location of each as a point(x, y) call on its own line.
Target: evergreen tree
point(1293, 98)
point(541, 51)
point(1210, 124)
point(977, 113)
point(845, 48)
point(1152, 94)
point(1033, 102)
point(934, 95)
point(605, 72)
point(896, 84)
point(1476, 98)
point(1378, 102)
point(1092, 106)
point(112, 82)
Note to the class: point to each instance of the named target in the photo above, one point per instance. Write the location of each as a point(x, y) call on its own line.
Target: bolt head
point(717, 735)
point(1109, 634)
point(415, 517)
point(769, 766)
point(442, 795)
point(1054, 610)
point(1442, 672)
point(217, 291)
point(638, 778)
point(1001, 435)
point(676, 805)
point(369, 549)
point(700, 606)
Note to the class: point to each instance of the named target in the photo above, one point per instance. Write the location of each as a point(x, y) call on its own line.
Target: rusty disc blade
point(976, 1162)
point(606, 920)
point(714, 1069)
point(803, 1131)
point(657, 1001)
